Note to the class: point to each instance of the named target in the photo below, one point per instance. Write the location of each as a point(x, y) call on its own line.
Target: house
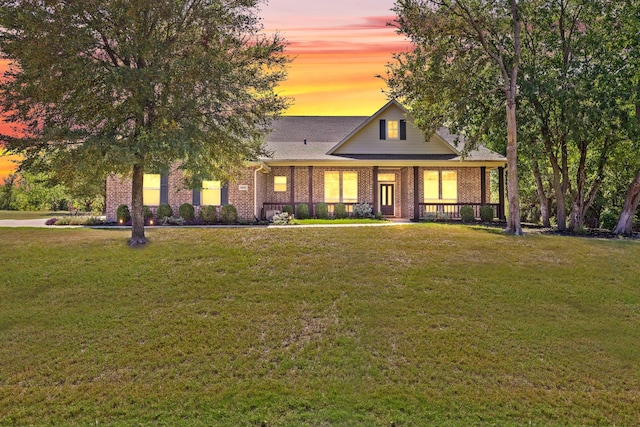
point(382, 160)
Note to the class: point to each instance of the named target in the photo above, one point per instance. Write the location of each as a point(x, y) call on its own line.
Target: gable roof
point(317, 138)
point(369, 120)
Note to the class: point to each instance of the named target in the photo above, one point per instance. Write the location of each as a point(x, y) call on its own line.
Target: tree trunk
point(542, 196)
point(513, 196)
point(625, 223)
point(137, 218)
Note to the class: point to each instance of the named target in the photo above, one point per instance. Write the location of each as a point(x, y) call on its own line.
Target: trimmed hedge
point(187, 211)
point(340, 211)
point(486, 213)
point(164, 211)
point(229, 214)
point(467, 214)
point(208, 214)
point(322, 211)
point(302, 211)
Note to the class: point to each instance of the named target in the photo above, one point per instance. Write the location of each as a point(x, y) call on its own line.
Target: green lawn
point(375, 326)
point(343, 221)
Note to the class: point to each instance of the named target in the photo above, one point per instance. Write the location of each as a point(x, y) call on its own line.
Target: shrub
point(208, 214)
point(608, 219)
point(147, 214)
point(79, 220)
point(379, 215)
point(123, 214)
point(362, 210)
point(322, 211)
point(187, 211)
point(282, 218)
point(486, 213)
point(288, 209)
point(467, 214)
point(435, 216)
point(229, 214)
point(169, 220)
point(51, 221)
point(302, 211)
point(340, 211)
point(164, 211)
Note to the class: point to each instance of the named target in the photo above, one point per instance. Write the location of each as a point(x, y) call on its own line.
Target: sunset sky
point(338, 48)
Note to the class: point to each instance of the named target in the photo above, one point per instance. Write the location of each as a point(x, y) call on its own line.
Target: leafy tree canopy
point(127, 86)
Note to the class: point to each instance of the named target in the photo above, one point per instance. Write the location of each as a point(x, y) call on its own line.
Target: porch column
point(416, 196)
point(501, 215)
point(375, 190)
point(483, 185)
point(311, 191)
point(293, 186)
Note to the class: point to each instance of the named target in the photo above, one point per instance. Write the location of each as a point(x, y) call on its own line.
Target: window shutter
point(195, 197)
point(403, 130)
point(224, 194)
point(383, 129)
point(164, 188)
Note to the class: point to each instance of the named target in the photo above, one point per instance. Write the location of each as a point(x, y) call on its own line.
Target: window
point(151, 189)
point(279, 183)
point(340, 187)
point(393, 129)
point(440, 186)
point(332, 187)
point(386, 177)
point(431, 186)
point(211, 193)
point(449, 186)
point(350, 187)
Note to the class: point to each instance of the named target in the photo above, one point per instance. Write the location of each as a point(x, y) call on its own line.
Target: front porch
point(394, 192)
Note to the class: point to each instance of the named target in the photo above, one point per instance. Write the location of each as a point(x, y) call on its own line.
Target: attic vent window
point(393, 131)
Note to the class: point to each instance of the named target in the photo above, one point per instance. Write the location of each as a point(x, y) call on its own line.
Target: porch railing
point(452, 210)
point(268, 208)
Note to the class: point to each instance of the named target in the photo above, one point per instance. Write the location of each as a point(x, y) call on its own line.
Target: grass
point(30, 214)
point(409, 325)
point(341, 221)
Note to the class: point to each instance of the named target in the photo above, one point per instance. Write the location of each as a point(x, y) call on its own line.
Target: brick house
point(382, 160)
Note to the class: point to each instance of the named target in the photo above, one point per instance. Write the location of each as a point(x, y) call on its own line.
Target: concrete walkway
point(23, 222)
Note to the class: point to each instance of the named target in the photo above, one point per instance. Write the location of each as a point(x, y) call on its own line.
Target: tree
point(135, 86)
point(629, 74)
point(570, 93)
point(464, 52)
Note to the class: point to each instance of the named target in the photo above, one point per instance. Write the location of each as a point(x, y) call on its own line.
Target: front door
point(386, 199)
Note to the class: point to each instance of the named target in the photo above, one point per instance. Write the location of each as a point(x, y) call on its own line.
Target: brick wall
point(241, 194)
point(301, 175)
point(119, 193)
point(241, 191)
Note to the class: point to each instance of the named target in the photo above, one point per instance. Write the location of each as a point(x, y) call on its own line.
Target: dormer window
point(393, 129)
